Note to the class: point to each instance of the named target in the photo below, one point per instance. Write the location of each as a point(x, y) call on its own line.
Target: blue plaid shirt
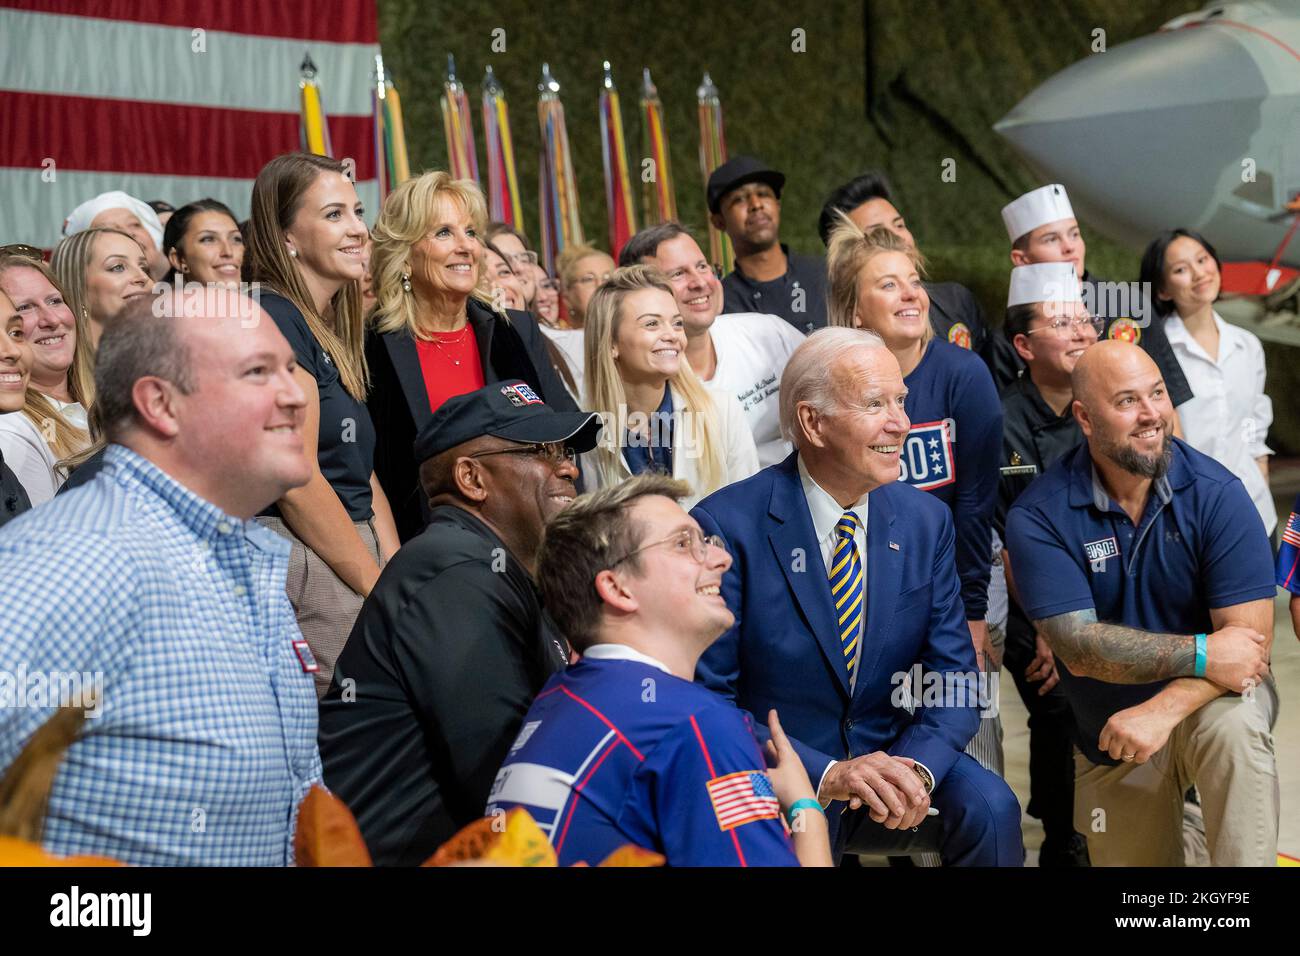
point(205, 741)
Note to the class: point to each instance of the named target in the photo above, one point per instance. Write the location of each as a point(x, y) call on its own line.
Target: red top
point(450, 365)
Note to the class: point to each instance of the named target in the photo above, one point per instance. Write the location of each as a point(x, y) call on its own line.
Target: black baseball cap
point(509, 410)
point(738, 171)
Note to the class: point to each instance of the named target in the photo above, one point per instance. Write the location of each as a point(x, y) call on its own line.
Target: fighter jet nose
point(1167, 70)
point(1119, 127)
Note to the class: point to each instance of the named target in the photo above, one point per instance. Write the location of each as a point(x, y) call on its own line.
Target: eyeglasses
point(523, 258)
point(1064, 328)
point(23, 250)
point(690, 540)
point(591, 278)
point(553, 453)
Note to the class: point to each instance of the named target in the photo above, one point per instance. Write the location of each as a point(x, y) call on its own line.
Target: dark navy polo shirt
point(1200, 545)
point(345, 438)
point(799, 296)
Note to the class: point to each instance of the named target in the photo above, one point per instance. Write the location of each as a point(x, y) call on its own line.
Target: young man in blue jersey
point(622, 747)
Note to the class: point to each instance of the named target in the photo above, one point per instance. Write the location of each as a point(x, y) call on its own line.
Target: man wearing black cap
point(744, 197)
point(452, 644)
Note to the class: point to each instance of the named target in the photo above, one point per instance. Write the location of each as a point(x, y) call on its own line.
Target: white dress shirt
point(1229, 416)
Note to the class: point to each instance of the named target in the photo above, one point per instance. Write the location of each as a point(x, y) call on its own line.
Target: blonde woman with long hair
point(50, 425)
point(437, 331)
point(658, 416)
point(306, 242)
point(101, 270)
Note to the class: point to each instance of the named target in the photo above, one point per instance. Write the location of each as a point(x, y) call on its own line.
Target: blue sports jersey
point(1288, 554)
point(618, 751)
point(953, 450)
point(1199, 545)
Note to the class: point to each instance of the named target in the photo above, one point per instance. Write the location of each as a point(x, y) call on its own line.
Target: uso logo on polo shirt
point(927, 460)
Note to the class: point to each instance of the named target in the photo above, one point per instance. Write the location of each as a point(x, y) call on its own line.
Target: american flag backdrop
point(173, 101)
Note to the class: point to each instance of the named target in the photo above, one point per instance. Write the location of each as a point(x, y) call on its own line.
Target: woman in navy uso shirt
point(953, 446)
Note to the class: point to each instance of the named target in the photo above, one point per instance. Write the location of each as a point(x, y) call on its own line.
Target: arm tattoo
point(1115, 653)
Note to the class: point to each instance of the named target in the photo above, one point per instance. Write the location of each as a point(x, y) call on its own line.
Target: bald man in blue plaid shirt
point(153, 583)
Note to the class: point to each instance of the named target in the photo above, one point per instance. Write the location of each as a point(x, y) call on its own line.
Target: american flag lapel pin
point(893, 546)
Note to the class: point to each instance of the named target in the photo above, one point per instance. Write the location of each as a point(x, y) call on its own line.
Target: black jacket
point(13, 497)
point(399, 403)
point(446, 656)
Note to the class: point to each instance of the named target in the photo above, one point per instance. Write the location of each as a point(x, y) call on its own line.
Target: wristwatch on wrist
point(925, 776)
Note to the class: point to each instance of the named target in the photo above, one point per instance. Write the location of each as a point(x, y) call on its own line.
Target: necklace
point(449, 338)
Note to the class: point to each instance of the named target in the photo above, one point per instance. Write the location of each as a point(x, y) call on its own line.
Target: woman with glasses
point(436, 331)
point(582, 269)
point(1049, 327)
point(658, 416)
point(1229, 415)
point(306, 239)
point(512, 245)
point(956, 432)
point(546, 303)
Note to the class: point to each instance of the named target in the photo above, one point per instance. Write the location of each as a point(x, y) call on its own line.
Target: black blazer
point(399, 401)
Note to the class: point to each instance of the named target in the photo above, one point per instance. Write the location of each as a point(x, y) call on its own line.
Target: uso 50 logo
point(927, 459)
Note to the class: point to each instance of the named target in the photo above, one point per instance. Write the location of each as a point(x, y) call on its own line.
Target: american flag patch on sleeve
point(1291, 533)
point(743, 797)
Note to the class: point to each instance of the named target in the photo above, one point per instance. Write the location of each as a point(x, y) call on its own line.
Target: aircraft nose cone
point(1141, 134)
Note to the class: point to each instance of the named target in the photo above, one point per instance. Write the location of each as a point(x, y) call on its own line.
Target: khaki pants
point(1132, 814)
point(326, 608)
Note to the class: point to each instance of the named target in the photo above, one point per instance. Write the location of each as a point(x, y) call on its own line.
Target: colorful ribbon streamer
point(503, 185)
point(314, 130)
point(713, 153)
point(658, 197)
point(613, 152)
point(557, 191)
point(462, 160)
point(392, 163)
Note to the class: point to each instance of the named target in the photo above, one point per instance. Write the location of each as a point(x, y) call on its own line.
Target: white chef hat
point(84, 215)
point(1036, 208)
point(1054, 282)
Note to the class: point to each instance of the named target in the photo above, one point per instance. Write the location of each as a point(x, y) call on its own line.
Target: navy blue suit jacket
point(784, 651)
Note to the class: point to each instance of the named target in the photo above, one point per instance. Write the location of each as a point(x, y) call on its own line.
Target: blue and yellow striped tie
point(847, 588)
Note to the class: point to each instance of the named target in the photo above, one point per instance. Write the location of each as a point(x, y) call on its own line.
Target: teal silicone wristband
point(1200, 655)
point(805, 804)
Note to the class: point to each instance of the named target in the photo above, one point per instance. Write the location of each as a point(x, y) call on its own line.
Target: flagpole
point(558, 220)
point(462, 159)
point(313, 128)
point(658, 196)
point(392, 166)
point(713, 153)
point(503, 184)
point(613, 150)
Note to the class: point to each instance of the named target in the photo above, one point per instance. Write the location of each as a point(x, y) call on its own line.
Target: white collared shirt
point(1229, 415)
point(621, 652)
point(826, 514)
